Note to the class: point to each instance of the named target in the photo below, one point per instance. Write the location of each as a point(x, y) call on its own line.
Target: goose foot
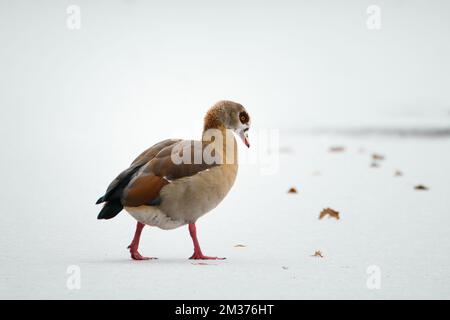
point(198, 255)
point(135, 255)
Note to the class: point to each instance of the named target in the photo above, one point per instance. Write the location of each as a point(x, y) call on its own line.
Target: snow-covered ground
point(78, 104)
point(384, 223)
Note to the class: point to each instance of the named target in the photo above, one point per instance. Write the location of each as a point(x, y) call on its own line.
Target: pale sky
point(151, 67)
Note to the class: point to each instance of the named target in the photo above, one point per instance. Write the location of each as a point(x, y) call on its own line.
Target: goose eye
point(243, 117)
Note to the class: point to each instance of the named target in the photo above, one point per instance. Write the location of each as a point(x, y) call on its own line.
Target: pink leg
point(198, 255)
point(135, 255)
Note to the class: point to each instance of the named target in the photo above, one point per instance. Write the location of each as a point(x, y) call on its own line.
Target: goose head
point(229, 115)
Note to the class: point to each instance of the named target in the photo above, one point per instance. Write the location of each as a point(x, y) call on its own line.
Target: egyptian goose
point(175, 182)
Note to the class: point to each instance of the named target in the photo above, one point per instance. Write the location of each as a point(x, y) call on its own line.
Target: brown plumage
point(143, 190)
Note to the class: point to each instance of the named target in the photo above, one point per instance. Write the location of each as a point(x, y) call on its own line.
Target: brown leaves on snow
point(317, 254)
point(377, 157)
point(398, 173)
point(329, 212)
point(292, 190)
point(375, 164)
point(337, 149)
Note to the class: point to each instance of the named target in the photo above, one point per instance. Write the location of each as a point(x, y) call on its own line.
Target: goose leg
point(198, 255)
point(135, 255)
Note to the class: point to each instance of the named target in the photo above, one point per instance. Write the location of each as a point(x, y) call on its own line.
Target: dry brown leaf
point(292, 190)
point(329, 212)
point(398, 173)
point(375, 164)
point(318, 254)
point(337, 149)
point(421, 187)
point(239, 246)
point(376, 156)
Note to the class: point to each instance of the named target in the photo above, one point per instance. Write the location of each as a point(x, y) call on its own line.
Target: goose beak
point(244, 137)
